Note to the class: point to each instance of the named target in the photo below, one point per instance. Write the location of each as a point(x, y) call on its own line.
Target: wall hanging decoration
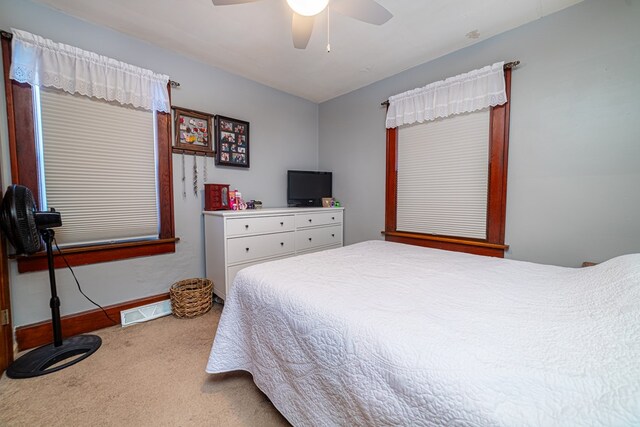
point(195, 176)
point(192, 131)
point(184, 178)
point(194, 136)
point(232, 142)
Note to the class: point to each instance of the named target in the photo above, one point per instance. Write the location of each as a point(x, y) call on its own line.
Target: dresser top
point(268, 211)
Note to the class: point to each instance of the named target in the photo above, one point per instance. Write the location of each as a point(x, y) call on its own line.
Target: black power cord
point(78, 283)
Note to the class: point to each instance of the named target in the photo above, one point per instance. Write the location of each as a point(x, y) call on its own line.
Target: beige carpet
point(151, 374)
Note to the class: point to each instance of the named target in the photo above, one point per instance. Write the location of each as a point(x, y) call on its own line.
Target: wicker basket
point(191, 297)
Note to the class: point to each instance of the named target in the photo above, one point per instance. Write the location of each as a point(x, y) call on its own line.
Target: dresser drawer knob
point(246, 249)
point(333, 235)
point(309, 238)
point(281, 243)
point(310, 219)
point(246, 226)
point(333, 218)
point(281, 223)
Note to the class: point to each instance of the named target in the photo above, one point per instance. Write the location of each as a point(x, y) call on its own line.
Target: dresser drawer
point(315, 237)
point(318, 218)
point(258, 225)
point(243, 249)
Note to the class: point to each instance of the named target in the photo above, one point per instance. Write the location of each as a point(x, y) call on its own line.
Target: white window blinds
point(99, 167)
point(443, 176)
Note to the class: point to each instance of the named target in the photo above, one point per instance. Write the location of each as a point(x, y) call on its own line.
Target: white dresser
point(237, 239)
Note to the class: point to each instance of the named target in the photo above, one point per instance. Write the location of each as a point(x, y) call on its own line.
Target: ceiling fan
point(305, 11)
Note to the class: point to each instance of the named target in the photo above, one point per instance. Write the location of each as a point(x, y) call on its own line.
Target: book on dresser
point(238, 239)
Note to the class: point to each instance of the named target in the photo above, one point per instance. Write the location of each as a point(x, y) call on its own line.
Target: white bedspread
point(381, 333)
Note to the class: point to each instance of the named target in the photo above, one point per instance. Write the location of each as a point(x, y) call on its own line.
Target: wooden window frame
point(24, 171)
point(493, 245)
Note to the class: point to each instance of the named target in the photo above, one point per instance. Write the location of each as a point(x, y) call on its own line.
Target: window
point(446, 181)
point(96, 162)
point(98, 168)
point(442, 176)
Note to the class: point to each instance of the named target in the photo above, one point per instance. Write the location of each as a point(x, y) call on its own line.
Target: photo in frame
point(232, 142)
point(193, 130)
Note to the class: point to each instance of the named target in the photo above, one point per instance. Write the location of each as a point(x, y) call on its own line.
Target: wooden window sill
point(99, 253)
point(478, 247)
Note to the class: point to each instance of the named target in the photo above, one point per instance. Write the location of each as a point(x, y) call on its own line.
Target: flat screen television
point(307, 188)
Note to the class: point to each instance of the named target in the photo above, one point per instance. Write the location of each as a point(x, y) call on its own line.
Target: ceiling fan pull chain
point(184, 179)
point(329, 28)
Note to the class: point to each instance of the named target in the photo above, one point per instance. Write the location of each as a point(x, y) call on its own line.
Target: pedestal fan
point(26, 228)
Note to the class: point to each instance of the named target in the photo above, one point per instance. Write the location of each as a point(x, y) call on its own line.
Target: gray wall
point(284, 135)
point(574, 161)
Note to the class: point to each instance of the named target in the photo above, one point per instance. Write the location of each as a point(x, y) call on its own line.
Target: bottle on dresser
point(232, 199)
point(235, 201)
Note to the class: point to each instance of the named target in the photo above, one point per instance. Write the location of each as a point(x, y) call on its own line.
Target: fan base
point(47, 359)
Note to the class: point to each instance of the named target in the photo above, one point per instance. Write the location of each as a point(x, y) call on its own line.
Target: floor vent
point(145, 313)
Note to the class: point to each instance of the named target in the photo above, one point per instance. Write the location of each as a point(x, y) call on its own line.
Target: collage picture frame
point(232, 142)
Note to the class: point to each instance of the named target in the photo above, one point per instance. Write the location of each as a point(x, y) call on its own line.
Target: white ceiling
point(254, 39)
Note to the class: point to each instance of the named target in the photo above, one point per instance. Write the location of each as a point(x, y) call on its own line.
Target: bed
point(380, 333)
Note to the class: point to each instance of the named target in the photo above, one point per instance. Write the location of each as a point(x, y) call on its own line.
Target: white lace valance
point(43, 62)
point(463, 93)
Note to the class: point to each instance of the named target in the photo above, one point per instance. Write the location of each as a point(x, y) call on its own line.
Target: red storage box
point(216, 197)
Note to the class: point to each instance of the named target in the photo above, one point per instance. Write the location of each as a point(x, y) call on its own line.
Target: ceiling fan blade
point(363, 10)
point(301, 29)
point(231, 2)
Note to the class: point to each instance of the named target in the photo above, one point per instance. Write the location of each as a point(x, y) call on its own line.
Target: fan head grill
point(18, 222)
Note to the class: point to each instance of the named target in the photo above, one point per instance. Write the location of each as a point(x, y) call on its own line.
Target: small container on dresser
point(216, 197)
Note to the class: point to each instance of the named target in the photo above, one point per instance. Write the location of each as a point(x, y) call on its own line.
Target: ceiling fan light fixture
point(308, 7)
